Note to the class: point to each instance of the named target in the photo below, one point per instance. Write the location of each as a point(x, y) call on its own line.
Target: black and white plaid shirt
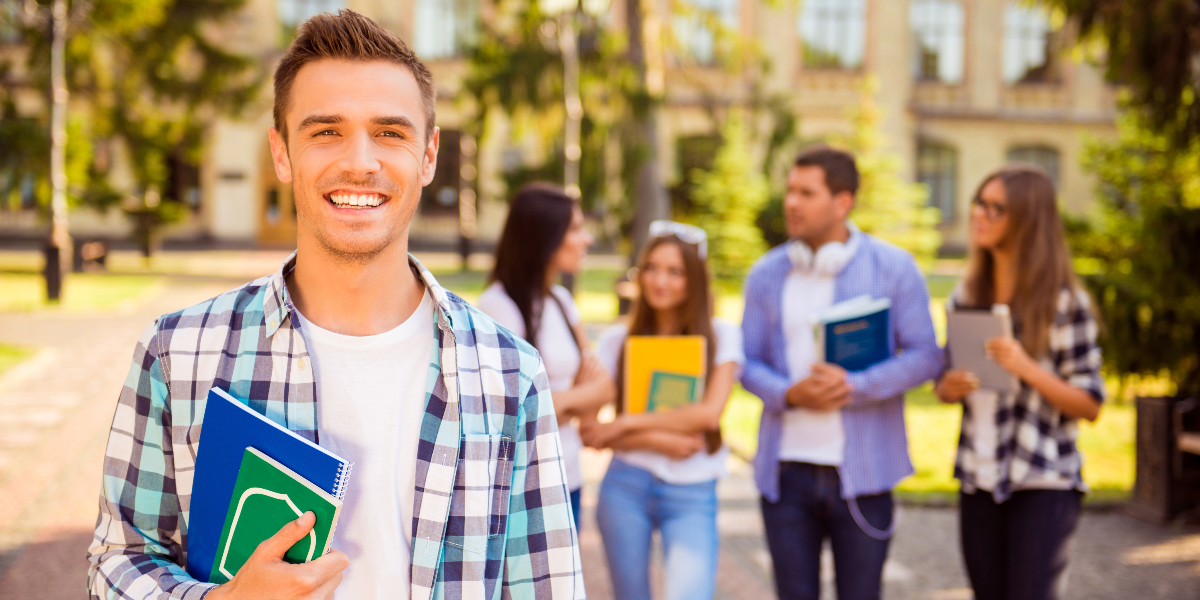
point(1035, 446)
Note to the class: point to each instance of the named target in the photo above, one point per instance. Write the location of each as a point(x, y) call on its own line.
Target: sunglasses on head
point(689, 234)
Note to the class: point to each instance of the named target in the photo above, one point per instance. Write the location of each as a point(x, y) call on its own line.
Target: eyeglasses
point(688, 233)
point(993, 210)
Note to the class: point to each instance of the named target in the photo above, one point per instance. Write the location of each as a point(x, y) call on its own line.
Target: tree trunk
point(650, 195)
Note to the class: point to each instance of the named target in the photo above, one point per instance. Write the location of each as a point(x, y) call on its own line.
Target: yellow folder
point(647, 354)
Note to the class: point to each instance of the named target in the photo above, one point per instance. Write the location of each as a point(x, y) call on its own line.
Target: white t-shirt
point(810, 436)
point(560, 354)
point(370, 402)
point(701, 466)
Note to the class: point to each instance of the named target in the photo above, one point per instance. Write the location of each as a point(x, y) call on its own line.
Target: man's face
point(356, 154)
point(810, 210)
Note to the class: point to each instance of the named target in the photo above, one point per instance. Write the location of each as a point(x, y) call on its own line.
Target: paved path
point(55, 410)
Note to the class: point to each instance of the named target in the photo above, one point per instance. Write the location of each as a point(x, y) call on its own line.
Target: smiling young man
point(458, 489)
point(832, 444)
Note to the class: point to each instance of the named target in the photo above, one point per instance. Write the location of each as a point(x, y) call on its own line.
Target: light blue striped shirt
point(876, 454)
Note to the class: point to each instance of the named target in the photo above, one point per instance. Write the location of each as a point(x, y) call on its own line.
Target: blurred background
point(135, 179)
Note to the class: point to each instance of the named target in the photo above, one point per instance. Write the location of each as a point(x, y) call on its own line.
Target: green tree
point(727, 201)
point(1151, 47)
point(149, 74)
point(887, 205)
point(1140, 252)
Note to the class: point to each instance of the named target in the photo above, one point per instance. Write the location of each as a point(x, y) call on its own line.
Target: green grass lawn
point(11, 355)
point(82, 292)
point(933, 429)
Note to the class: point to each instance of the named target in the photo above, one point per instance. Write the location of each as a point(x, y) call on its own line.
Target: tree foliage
point(1151, 47)
point(727, 201)
point(1142, 250)
point(887, 205)
point(150, 75)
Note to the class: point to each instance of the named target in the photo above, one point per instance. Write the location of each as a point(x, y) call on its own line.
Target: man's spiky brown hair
point(353, 37)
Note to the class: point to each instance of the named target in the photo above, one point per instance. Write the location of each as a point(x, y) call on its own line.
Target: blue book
point(230, 427)
point(854, 334)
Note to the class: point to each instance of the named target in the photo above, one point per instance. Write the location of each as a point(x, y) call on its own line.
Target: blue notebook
point(230, 426)
point(854, 334)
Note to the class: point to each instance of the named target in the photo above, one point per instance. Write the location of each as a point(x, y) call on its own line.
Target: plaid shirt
point(1035, 442)
point(491, 517)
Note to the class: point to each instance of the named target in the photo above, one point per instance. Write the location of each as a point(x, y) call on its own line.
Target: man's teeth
point(356, 200)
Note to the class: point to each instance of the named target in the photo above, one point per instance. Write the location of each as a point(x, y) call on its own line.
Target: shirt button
point(302, 363)
point(272, 323)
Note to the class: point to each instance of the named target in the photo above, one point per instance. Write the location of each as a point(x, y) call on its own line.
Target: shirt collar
point(277, 305)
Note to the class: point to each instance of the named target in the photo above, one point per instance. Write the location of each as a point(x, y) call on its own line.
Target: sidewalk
point(55, 410)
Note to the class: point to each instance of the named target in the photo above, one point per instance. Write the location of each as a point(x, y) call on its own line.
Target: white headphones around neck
point(830, 258)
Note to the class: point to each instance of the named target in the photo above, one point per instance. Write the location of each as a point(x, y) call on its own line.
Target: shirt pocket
point(484, 482)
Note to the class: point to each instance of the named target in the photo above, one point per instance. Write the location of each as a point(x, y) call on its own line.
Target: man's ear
point(844, 203)
point(279, 156)
point(429, 166)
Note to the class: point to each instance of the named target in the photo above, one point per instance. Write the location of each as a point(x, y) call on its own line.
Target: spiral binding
point(343, 480)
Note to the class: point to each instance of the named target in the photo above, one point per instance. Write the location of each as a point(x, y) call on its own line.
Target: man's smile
point(355, 199)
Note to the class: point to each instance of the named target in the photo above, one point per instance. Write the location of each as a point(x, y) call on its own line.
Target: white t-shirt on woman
point(701, 466)
point(556, 344)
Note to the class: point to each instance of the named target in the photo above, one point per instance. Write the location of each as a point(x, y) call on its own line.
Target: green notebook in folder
point(266, 497)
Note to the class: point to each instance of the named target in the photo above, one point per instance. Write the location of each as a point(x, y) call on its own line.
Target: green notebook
point(266, 497)
point(670, 390)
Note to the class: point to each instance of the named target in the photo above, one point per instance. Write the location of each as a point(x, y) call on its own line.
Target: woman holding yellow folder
point(666, 464)
point(1020, 469)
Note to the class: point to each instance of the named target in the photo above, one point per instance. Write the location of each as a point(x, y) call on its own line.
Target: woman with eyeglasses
point(665, 465)
point(544, 237)
point(1017, 459)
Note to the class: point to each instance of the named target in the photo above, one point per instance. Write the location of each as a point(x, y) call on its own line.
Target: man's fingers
point(277, 545)
point(330, 565)
point(325, 592)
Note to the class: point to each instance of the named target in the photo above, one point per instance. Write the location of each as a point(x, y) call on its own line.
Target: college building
point(963, 87)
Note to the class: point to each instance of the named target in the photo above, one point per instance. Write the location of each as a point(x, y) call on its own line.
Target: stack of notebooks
point(254, 476)
point(664, 372)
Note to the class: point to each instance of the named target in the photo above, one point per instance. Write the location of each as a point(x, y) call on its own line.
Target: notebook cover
point(671, 390)
point(856, 343)
point(266, 497)
point(229, 428)
point(645, 354)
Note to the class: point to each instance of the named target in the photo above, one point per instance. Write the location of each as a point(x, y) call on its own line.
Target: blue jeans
point(576, 502)
point(810, 510)
point(633, 503)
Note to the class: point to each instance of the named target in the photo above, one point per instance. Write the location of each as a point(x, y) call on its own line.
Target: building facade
point(963, 86)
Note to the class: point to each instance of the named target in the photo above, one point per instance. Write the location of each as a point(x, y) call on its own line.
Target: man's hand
point(266, 576)
point(825, 388)
point(955, 385)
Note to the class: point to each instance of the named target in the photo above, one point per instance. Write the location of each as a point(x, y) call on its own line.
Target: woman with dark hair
point(665, 467)
point(543, 238)
point(1017, 460)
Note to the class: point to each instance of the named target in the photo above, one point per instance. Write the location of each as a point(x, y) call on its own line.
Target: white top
point(560, 354)
point(371, 399)
point(701, 466)
point(811, 436)
point(987, 437)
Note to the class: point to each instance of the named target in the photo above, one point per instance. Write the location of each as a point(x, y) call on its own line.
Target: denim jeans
point(633, 503)
point(1018, 549)
point(576, 508)
point(811, 510)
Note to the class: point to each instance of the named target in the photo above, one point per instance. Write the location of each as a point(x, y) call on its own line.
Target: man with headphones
point(832, 443)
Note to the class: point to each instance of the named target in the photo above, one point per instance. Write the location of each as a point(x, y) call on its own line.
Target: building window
point(697, 31)
point(292, 13)
point(937, 168)
point(444, 28)
point(1028, 45)
point(937, 27)
point(1042, 156)
point(833, 33)
point(10, 21)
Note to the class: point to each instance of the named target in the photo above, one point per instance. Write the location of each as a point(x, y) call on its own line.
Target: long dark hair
point(1042, 261)
point(539, 216)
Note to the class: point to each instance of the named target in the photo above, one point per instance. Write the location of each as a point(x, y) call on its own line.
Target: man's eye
point(326, 132)
point(391, 134)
